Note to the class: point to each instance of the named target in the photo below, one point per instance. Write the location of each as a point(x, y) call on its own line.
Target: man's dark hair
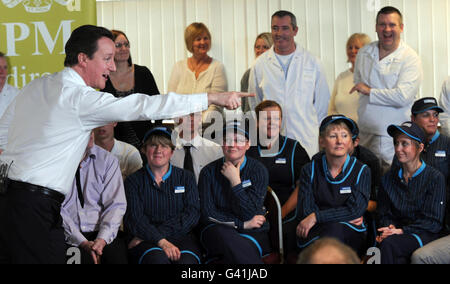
point(389, 10)
point(283, 13)
point(84, 40)
point(2, 54)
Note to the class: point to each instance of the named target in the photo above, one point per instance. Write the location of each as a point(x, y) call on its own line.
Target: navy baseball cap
point(425, 104)
point(161, 130)
point(340, 117)
point(408, 128)
point(236, 127)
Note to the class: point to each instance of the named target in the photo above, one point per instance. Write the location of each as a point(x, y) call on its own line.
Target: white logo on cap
point(407, 124)
point(430, 101)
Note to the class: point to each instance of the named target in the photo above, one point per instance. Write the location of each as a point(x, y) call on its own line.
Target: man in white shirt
point(444, 102)
point(388, 74)
point(201, 150)
point(294, 78)
point(129, 158)
point(7, 95)
point(50, 129)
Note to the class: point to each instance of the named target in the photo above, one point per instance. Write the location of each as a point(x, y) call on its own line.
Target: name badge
point(440, 154)
point(179, 189)
point(280, 161)
point(345, 190)
point(246, 183)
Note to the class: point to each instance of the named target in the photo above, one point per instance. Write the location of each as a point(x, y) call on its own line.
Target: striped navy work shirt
point(233, 204)
point(416, 206)
point(156, 212)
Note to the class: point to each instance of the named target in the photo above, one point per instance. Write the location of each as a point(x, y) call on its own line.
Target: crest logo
point(35, 6)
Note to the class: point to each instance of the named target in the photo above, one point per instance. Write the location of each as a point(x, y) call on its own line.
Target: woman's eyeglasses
point(120, 44)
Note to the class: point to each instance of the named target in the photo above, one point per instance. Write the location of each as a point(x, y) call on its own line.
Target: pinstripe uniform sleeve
point(135, 221)
point(306, 202)
point(207, 185)
point(356, 204)
point(301, 158)
point(384, 213)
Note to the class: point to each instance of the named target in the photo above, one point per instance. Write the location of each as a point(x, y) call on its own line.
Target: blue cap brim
point(392, 129)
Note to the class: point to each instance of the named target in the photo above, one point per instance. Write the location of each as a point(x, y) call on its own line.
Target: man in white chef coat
point(294, 78)
point(388, 74)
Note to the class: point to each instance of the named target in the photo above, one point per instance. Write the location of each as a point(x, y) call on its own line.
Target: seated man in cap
point(411, 200)
point(334, 189)
point(232, 192)
point(163, 206)
point(92, 211)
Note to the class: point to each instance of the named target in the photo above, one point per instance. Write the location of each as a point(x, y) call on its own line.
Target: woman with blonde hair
point(341, 101)
point(200, 72)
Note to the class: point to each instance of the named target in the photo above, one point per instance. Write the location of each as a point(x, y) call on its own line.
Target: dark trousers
point(397, 249)
point(231, 247)
point(150, 253)
point(114, 253)
point(353, 236)
point(289, 237)
point(30, 228)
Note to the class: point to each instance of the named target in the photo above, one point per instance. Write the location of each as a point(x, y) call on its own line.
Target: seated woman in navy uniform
point(411, 199)
point(284, 159)
point(163, 206)
point(334, 189)
point(232, 192)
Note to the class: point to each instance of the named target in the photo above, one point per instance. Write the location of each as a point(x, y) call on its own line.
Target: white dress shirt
point(444, 103)
point(7, 96)
point(203, 152)
point(129, 157)
point(395, 81)
point(53, 119)
point(302, 93)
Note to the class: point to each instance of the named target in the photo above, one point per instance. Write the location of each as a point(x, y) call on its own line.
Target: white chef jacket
point(54, 116)
point(444, 103)
point(303, 94)
point(395, 83)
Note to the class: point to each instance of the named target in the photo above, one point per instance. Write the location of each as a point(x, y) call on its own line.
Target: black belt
point(47, 192)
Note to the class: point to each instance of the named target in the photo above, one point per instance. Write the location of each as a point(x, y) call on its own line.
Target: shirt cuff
point(107, 235)
point(76, 239)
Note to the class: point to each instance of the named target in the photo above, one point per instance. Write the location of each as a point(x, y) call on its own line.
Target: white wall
point(156, 27)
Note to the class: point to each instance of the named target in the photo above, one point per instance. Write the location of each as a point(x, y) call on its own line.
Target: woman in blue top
point(163, 206)
point(411, 200)
point(334, 189)
point(284, 159)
